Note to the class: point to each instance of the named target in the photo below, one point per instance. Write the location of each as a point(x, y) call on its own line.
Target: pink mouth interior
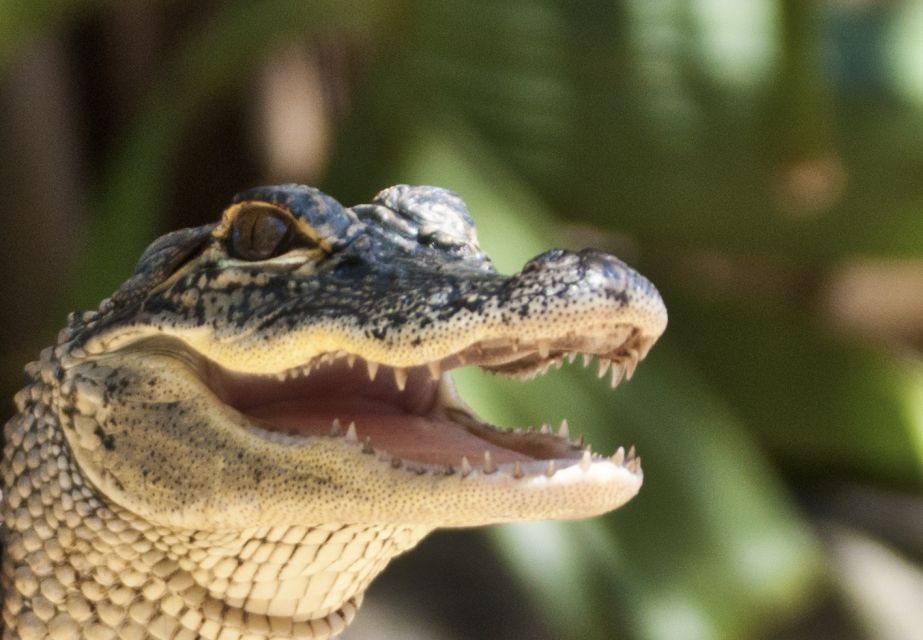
point(408, 424)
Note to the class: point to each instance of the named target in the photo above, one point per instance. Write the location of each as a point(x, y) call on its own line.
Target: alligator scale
point(239, 439)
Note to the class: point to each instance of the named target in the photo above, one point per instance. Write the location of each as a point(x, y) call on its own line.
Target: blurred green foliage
point(691, 128)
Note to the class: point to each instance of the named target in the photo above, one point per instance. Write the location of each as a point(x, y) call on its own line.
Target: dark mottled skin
point(387, 261)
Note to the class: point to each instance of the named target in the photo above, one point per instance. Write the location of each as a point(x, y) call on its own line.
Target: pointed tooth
point(632, 454)
point(350, 360)
point(571, 357)
point(645, 347)
point(564, 430)
point(465, 467)
point(587, 359)
point(351, 435)
point(373, 369)
point(618, 372)
point(636, 464)
point(544, 348)
point(558, 363)
point(435, 370)
point(400, 378)
point(549, 470)
point(618, 458)
point(630, 365)
point(603, 367)
point(517, 470)
point(336, 428)
point(586, 460)
point(489, 466)
point(545, 429)
point(367, 445)
point(579, 441)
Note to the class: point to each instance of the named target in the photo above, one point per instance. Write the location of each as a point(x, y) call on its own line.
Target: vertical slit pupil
point(260, 232)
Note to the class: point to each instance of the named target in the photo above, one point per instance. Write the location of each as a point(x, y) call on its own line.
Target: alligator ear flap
point(160, 260)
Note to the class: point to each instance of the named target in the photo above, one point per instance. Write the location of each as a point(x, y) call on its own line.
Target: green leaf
point(810, 395)
point(568, 95)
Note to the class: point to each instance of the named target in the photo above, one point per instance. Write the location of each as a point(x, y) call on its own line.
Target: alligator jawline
point(407, 416)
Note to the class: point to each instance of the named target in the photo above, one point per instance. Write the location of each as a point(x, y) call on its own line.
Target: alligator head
point(273, 390)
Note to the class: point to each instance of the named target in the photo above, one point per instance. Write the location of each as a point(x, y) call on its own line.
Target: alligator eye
point(260, 232)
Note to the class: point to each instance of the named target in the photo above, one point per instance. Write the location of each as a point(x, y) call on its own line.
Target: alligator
point(238, 440)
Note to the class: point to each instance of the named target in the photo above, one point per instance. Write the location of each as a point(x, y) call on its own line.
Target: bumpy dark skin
point(259, 419)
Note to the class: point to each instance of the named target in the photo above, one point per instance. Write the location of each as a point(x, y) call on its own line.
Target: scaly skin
point(260, 418)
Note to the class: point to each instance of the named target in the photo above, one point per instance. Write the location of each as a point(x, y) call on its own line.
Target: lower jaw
point(429, 440)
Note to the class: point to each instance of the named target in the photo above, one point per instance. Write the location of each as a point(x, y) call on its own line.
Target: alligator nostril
point(554, 259)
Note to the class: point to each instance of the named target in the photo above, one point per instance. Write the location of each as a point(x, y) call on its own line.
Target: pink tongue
point(407, 436)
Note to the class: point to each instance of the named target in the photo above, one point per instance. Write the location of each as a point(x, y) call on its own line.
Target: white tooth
point(587, 359)
point(400, 378)
point(558, 363)
point(618, 372)
point(586, 460)
point(350, 360)
point(571, 357)
point(549, 470)
point(465, 467)
point(351, 435)
point(645, 346)
point(630, 365)
point(564, 430)
point(373, 369)
point(336, 428)
point(603, 367)
point(489, 466)
point(546, 428)
point(544, 348)
point(634, 465)
point(579, 441)
point(280, 376)
point(619, 456)
point(435, 370)
point(517, 470)
point(367, 445)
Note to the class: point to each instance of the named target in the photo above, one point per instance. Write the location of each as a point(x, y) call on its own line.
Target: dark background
point(761, 161)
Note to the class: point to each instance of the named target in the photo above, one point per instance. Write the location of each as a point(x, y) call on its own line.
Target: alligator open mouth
point(412, 417)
